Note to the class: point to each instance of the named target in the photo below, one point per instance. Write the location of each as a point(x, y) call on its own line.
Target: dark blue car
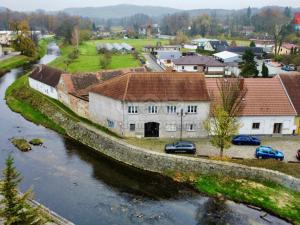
point(266, 152)
point(245, 140)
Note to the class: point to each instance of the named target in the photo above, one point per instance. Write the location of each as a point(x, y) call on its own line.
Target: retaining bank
point(142, 158)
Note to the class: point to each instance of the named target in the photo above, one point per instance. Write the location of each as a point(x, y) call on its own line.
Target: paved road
point(152, 64)
point(9, 56)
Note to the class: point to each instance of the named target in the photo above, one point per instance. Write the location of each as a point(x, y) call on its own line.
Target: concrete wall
point(157, 162)
point(266, 124)
point(190, 68)
point(43, 88)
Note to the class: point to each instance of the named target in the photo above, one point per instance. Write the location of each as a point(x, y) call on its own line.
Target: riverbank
point(166, 164)
point(21, 60)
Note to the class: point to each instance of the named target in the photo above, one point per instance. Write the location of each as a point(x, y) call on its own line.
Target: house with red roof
point(266, 108)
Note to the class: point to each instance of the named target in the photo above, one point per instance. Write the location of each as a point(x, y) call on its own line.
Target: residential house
point(231, 61)
point(247, 30)
point(6, 37)
point(45, 80)
point(195, 63)
point(266, 108)
point(216, 46)
point(291, 83)
point(266, 44)
point(201, 42)
point(166, 58)
point(152, 104)
point(257, 51)
point(152, 48)
point(287, 49)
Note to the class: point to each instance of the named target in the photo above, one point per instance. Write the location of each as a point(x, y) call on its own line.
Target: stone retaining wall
point(154, 161)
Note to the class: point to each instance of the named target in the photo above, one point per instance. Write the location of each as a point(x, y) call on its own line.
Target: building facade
point(160, 108)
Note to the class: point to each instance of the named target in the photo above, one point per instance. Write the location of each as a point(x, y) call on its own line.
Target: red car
point(298, 154)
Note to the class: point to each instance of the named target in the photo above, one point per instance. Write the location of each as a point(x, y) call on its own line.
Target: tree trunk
point(221, 152)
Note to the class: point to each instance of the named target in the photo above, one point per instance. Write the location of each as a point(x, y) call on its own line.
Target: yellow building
point(291, 83)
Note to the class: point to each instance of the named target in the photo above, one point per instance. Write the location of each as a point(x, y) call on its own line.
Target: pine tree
point(248, 66)
point(14, 208)
point(265, 70)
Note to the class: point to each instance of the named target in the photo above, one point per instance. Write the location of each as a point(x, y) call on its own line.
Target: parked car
point(290, 67)
point(298, 154)
point(181, 147)
point(266, 152)
point(245, 140)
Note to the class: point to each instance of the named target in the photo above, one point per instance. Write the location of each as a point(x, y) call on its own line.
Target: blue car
point(266, 152)
point(245, 140)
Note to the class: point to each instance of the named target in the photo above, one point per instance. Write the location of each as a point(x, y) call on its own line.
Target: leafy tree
point(249, 14)
point(233, 44)
point(265, 70)
point(179, 39)
point(252, 44)
point(221, 126)
point(248, 66)
point(105, 60)
point(25, 45)
point(201, 25)
point(15, 209)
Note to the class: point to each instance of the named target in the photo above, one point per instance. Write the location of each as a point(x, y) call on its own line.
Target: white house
point(152, 104)
point(195, 63)
point(266, 108)
point(45, 80)
point(1, 51)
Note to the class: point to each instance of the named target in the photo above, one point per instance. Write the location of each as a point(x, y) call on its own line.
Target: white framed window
point(192, 109)
point(171, 109)
point(191, 127)
point(255, 126)
point(171, 127)
point(132, 109)
point(132, 127)
point(110, 123)
point(195, 67)
point(152, 109)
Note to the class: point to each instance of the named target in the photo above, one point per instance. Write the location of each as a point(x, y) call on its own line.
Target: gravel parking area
point(287, 144)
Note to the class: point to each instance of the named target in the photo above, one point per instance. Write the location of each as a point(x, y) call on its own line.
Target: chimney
point(242, 83)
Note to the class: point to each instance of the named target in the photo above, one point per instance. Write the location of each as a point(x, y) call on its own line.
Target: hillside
point(120, 11)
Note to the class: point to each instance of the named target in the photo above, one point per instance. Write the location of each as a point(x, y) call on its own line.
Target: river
point(89, 189)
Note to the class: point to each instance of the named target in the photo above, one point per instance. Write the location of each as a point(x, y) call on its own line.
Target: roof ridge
point(126, 88)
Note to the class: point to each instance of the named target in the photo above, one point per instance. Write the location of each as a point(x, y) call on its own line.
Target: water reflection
point(90, 189)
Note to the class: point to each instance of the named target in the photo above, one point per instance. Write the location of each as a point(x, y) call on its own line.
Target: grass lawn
point(89, 59)
point(269, 196)
point(14, 62)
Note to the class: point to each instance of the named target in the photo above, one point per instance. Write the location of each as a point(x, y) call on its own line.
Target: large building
point(291, 83)
point(152, 104)
point(266, 108)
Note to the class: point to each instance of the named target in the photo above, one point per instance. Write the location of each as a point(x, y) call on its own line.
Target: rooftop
point(264, 97)
point(198, 60)
point(46, 75)
point(158, 86)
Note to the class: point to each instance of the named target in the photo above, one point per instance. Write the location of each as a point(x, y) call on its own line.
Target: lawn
point(13, 62)
point(269, 196)
point(89, 59)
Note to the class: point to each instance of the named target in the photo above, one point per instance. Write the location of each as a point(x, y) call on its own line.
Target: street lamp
point(181, 114)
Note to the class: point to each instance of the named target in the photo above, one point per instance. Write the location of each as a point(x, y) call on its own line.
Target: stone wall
point(158, 162)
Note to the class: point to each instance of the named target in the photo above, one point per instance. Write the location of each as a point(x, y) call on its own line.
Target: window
point(132, 127)
point(182, 67)
point(191, 127)
point(192, 109)
point(255, 126)
point(171, 127)
point(171, 109)
point(132, 109)
point(152, 109)
point(195, 67)
point(110, 123)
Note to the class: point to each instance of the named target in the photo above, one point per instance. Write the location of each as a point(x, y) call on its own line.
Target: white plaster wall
point(266, 124)
point(103, 108)
point(43, 88)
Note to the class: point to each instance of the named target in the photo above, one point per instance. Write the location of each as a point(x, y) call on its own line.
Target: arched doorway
point(151, 129)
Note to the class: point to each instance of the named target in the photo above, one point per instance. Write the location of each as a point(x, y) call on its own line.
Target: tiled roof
point(291, 83)
point(160, 86)
point(264, 97)
point(289, 46)
point(46, 75)
point(242, 49)
point(198, 60)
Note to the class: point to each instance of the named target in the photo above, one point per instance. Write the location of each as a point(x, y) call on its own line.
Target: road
point(9, 56)
point(152, 64)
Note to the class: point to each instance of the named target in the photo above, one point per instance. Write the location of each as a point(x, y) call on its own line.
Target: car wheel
point(281, 159)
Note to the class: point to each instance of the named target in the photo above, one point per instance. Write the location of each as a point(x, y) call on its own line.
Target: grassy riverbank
point(269, 196)
point(21, 60)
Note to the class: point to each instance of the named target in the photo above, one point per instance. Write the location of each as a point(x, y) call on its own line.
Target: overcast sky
point(25, 5)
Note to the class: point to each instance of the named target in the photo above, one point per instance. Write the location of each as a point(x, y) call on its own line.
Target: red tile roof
point(264, 97)
point(46, 74)
point(291, 83)
point(160, 86)
point(198, 60)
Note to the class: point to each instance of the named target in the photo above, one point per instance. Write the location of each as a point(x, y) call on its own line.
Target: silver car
point(181, 147)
